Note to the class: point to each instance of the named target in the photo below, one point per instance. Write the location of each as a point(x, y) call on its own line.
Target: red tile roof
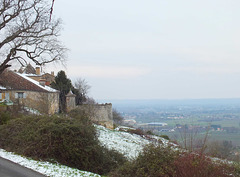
point(12, 80)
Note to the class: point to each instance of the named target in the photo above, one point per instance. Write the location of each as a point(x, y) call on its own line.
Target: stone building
point(22, 90)
point(29, 89)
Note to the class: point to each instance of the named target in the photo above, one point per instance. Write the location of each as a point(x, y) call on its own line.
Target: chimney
point(37, 70)
point(52, 73)
point(42, 82)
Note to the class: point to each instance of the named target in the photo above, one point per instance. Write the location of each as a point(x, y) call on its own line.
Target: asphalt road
point(10, 169)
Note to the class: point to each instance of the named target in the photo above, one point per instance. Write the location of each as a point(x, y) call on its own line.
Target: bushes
point(237, 168)
point(136, 131)
point(192, 164)
point(72, 141)
point(117, 117)
point(165, 137)
point(69, 141)
point(157, 161)
point(153, 161)
point(4, 117)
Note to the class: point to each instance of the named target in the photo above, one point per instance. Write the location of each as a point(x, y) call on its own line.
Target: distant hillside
point(159, 102)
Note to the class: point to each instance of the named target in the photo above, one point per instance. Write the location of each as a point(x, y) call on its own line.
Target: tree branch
point(27, 34)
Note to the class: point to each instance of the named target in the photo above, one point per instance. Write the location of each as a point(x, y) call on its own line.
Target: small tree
point(221, 149)
point(63, 84)
point(81, 90)
point(117, 117)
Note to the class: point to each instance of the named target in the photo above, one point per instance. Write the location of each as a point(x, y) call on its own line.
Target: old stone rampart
point(99, 113)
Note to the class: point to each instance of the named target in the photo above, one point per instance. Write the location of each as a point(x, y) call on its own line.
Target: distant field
point(223, 123)
point(228, 123)
point(212, 136)
point(203, 113)
point(185, 121)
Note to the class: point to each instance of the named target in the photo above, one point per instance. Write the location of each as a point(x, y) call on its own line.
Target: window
point(20, 95)
point(0, 96)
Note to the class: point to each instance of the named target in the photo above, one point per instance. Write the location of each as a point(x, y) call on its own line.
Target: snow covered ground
point(128, 144)
point(46, 168)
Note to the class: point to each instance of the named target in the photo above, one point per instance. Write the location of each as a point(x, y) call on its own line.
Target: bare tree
point(117, 117)
point(82, 86)
point(26, 33)
point(51, 10)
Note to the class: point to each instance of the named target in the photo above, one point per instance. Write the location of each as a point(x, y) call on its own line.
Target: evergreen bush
point(4, 117)
point(153, 161)
point(69, 141)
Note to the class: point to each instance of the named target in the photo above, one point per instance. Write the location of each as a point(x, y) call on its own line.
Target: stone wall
point(44, 102)
point(99, 113)
point(53, 103)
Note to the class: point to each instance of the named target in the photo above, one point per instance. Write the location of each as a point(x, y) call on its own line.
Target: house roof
point(29, 69)
point(2, 88)
point(70, 94)
point(17, 81)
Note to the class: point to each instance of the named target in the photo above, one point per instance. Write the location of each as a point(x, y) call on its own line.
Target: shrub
point(165, 137)
point(117, 117)
point(153, 161)
point(158, 161)
point(136, 131)
point(149, 132)
point(192, 164)
point(69, 141)
point(236, 168)
point(4, 117)
point(220, 149)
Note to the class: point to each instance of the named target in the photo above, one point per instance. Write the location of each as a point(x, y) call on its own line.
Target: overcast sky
point(153, 49)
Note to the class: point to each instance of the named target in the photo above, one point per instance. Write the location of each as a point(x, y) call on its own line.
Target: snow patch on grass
point(128, 144)
point(46, 168)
